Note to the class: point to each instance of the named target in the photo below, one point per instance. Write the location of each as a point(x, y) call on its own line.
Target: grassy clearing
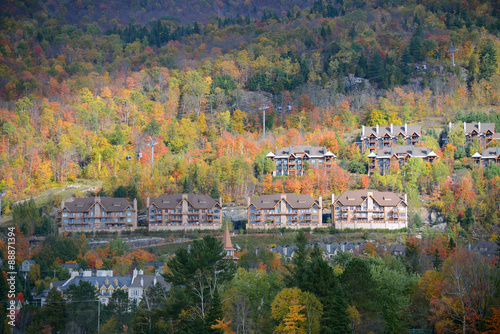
point(80, 187)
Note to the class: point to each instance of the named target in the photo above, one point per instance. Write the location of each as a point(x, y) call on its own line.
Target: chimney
point(333, 198)
point(62, 204)
point(154, 280)
point(276, 150)
point(363, 131)
point(135, 205)
point(406, 198)
point(406, 129)
point(142, 281)
point(248, 201)
point(98, 199)
point(147, 202)
point(134, 273)
point(464, 127)
point(377, 128)
point(320, 200)
point(479, 127)
point(392, 130)
point(449, 125)
point(220, 202)
point(283, 196)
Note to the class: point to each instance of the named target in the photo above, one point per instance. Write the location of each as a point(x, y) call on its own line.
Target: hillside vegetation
point(82, 96)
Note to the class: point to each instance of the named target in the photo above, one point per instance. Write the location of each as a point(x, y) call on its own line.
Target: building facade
point(369, 209)
point(97, 214)
point(284, 210)
point(294, 160)
point(184, 212)
point(375, 137)
point(484, 133)
point(490, 155)
point(397, 156)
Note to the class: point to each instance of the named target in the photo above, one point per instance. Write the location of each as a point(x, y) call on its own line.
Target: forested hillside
point(83, 87)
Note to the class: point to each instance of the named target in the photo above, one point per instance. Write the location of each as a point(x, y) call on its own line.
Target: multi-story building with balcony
point(397, 156)
point(369, 209)
point(184, 212)
point(484, 133)
point(294, 160)
point(97, 214)
point(490, 155)
point(284, 210)
point(375, 137)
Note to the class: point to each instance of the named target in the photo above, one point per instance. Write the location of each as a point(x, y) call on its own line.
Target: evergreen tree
point(337, 317)
point(488, 60)
point(214, 313)
point(415, 48)
point(436, 262)
point(55, 310)
point(298, 272)
point(451, 245)
point(376, 68)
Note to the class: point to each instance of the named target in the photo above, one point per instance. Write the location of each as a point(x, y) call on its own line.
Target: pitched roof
point(226, 239)
point(100, 280)
point(487, 248)
point(172, 201)
point(479, 127)
point(397, 248)
point(413, 151)
point(489, 153)
point(383, 198)
point(146, 281)
point(295, 201)
point(380, 131)
point(311, 151)
point(112, 204)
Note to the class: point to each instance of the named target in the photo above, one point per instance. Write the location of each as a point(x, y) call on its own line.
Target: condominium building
point(483, 132)
point(375, 137)
point(397, 156)
point(294, 160)
point(284, 210)
point(97, 214)
point(369, 209)
point(184, 212)
point(490, 155)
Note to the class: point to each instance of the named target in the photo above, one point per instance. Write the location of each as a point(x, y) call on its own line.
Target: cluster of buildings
point(484, 134)
point(354, 209)
point(387, 147)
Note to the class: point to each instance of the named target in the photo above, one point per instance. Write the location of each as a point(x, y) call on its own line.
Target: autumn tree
point(465, 294)
point(297, 311)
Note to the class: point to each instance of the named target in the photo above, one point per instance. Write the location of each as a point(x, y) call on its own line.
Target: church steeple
point(228, 245)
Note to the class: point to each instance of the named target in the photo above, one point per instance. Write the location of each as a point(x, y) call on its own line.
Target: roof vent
point(266, 201)
point(79, 205)
point(302, 200)
point(350, 198)
point(203, 201)
point(166, 201)
point(116, 204)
